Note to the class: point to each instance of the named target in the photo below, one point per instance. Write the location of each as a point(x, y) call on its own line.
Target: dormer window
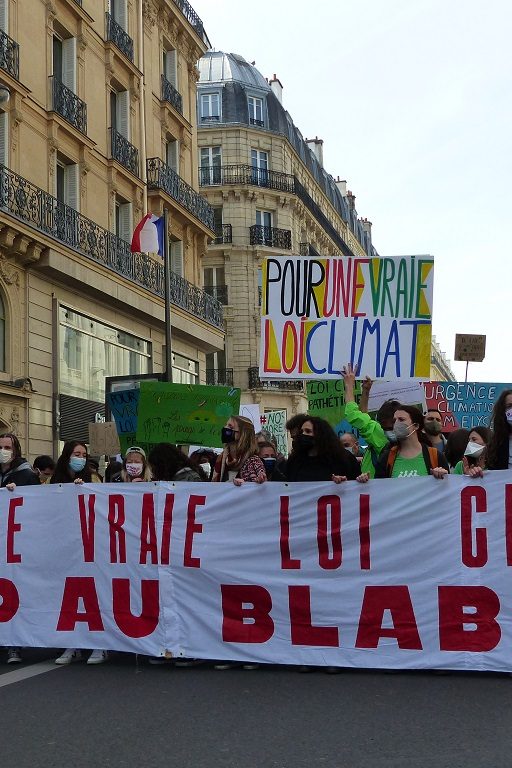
point(210, 107)
point(256, 111)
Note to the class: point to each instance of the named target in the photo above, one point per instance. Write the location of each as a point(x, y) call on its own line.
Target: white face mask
point(206, 469)
point(5, 455)
point(474, 450)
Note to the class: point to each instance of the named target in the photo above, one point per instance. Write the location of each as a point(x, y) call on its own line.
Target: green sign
point(189, 414)
point(124, 407)
point(326, 399)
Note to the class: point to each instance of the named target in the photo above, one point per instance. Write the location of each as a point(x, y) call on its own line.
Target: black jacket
point(20, 472)
point(303, 468)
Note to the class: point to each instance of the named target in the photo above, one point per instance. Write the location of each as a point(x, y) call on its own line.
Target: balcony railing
point(161, 176)
point(170, 94)
point(9, 55)
point(192, 18)
point(219, 292)
point(68, 105)
point(270, 236)
point(46, 214)
point(246, 175)
point(210, 118)
point(120, 38)
point(125, 153)
point(223, 234)
point(256, 383)
point(219, 377)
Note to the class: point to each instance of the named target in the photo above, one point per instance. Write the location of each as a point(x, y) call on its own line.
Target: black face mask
point(306, 442)
point(269, 463)
point(227, 435)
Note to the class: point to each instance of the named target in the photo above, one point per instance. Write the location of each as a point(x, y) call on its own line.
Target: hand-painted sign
point(463, 404)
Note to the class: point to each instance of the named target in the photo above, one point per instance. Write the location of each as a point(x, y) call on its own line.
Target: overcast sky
point(413, 101)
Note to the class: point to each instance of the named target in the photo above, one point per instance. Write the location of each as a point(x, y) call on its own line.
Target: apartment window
point(184, 370)
point(172, 154)
point(118, 9)
point(4, 16)
point(4, 139)
point(170, 67)
point(123, 223)
point(64, 61)
point(210, 165)
point(264, 220)
point(210, 106)
point(67, 184)
point(256, 111)
point(214, 279)
point(176, 253)
point(259, 163)
point(2, 334)
point(120, 112)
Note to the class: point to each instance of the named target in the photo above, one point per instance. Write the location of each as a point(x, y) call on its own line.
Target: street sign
point(469, 347)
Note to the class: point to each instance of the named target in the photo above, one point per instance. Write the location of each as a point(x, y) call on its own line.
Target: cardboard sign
point(103, 439)
point(469, 347)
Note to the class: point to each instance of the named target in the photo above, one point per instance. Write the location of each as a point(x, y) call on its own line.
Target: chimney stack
point(317, 147)
point(277, 88)
point(351, 200)
point(342, 186)
point(367, 227)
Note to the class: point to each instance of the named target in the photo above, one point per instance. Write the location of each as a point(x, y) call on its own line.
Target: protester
point(318, 455)
point(94, 466)
point(169, 463)
point(433, 429)
point(351, 444)
point(456, 443)
point(114, 467)
point(499, 450)
point(135, 468)
point(411, 456)
point(203, 460)
point(72, 467)
point(475, 453)
point(14, 471)
point(239, 461)
point(268, 455)
point(44, 467)
point(377, 432)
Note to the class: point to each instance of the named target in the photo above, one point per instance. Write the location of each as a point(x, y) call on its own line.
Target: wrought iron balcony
point(170, 94)
point(68, 105)
point(223, 234)
point(270, 236)
point(246, 175)
point(124, 152)
point(253, 121)
point(256, 383)
point(46, 214)
point(117, 35)
point(210, 118)
point(219, 377)
point(219, 292)
point(162, 176)
point(9, 55)
point(192, 18)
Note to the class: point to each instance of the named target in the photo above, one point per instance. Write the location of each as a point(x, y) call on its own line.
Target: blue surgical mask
point(77, 464)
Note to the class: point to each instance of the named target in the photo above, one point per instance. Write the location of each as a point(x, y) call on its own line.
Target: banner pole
point(467, 366)
point(167, 303)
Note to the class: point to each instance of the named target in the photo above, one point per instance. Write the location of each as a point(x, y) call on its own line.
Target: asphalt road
point(128, 713)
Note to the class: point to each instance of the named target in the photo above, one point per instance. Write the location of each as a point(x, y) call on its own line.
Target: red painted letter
point(486, 632)
point(508, 522)
point(147, 622)
point(116, 519)
point(10, 600)
point(165, 548)
point(242, 624)
point(192, 528)
point(148, 545)
point(302, 630)
point(78, 588)
point(364, 531)
point(287, 562)
point(87, 520)
point(467, 494)
point(327, 560)
point(397, 601)
point(12, 528)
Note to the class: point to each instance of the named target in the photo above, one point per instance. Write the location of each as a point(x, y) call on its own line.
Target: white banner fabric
point(410, 573)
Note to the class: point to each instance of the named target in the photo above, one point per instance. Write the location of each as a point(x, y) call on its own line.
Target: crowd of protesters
point(400, 441)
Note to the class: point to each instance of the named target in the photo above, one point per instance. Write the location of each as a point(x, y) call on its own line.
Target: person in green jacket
point(378, 432)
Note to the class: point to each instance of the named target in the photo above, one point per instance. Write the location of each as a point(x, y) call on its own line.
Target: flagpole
point(167, 309)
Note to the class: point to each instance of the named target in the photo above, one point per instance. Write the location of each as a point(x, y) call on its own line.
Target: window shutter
point(72, 186)
point(125, 222)
point(173, 155)
point(121, 13)
point(123, 113)
point(4, 16)
point(171, 68)
point(177, 258)
point(69, 63)
point(4, 139)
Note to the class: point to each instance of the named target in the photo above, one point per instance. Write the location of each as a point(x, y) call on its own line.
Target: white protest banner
point(405, 574)
point(320, 313)
point(406, 392)
point(275, 422)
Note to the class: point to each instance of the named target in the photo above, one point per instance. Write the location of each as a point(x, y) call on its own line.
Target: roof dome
point(218, 67)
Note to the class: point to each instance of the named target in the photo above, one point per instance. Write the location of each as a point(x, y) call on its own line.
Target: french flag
point(148, 236)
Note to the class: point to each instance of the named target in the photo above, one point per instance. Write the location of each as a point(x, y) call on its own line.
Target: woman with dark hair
point(475, 452)
point(319, 455)
point(169, 463)
point(499, 450)
point(73, 467)
point(239, 461)
point(456, 443)
point(412, 456)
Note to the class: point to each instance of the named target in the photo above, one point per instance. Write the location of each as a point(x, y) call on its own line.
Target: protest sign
point(124, 406)
point(103, 439)
point(405, 392)
point(251, 412)
point(397, 574)
point(184, 413)
point(326, 399)
point(275, 422)
point(463, 404)
point(320, 313)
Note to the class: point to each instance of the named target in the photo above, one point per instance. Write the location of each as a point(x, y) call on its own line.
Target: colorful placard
point(275, 423)
point(326, 399)
point(319, 314)
point(464, 404)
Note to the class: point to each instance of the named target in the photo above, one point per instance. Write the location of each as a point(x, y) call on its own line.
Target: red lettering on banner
point(87, 522)
point(78, 588)
point(287, 562)
point(302, 630)
point(397, 600)
point(148, 543)
point(329, 530)
point(144, 624)
point(165, 547)
point(364, 531)
point(508, 522)
point(453, 615)
point(12, 528)
point(10, 600)
point(192, 528)
point(116, 518)
point(467, 495)
point(243, 624)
